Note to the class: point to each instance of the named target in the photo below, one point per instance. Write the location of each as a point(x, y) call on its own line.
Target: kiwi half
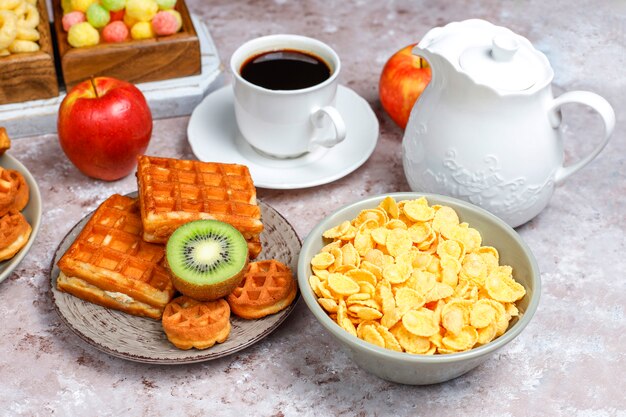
point(207, 259)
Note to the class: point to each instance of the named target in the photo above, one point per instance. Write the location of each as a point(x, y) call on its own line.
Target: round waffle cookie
point(14, 234)
point(189, 323)
point(267, 287)
point(14, 191)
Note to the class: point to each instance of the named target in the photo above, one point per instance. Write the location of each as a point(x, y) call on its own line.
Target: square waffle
point(173, 192)
point(111, 265)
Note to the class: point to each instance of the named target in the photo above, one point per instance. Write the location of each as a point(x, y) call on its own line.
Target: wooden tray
point(136, 61)
point(30, 75)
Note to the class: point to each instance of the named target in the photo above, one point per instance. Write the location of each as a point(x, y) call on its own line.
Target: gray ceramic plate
point(143, 340)
point(32, 212)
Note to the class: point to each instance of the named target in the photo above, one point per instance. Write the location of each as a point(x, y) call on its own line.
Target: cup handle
point(597, 103)
point(317, 118)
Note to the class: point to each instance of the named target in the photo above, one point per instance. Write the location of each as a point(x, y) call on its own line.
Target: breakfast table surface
point(569, 361)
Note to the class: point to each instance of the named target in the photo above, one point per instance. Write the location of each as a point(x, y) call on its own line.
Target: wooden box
point(30, 75)
point(135, 61)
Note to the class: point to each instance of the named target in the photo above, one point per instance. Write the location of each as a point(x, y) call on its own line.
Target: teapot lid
point(491, 55)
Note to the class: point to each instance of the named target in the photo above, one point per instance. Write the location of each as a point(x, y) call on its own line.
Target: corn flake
point(463, 340)
point(410, 342)
point(420, 322)
point(342, 285)
point(322, 260)
point(502, 287)
point(337, 231)
point(390, 206)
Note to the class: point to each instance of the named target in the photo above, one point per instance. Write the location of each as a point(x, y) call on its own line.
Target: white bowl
point(424, 369)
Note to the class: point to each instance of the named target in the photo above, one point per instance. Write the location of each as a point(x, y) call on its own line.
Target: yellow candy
point(142, 30)
point(81, 5)
point(142, 10)
point(19, 46)
point(83, 34)
point(8, 28)
point(66, 5)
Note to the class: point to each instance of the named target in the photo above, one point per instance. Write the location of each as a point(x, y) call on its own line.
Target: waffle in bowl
point(14, 234)
point(267, 288)
point(111, 265)
point(173, 192)
point(14, 191)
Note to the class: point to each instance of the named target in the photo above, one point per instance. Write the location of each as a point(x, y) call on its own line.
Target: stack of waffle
point(173, 192)
point(111, 265)
point(118, 258)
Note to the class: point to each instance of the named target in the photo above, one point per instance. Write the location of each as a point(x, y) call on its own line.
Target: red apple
point(103, 125)
point(403, 79)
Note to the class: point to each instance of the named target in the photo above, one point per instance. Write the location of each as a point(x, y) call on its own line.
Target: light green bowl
point(412, 369)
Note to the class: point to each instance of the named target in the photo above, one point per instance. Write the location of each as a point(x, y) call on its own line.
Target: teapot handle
point(597, 103)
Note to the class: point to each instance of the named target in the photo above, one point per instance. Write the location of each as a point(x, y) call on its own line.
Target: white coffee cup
point(287, 123)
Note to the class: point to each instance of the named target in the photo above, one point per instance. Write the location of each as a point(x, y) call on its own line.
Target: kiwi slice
point(207, 259)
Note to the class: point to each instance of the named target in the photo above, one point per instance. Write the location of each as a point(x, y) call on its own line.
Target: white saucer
point(214, 136)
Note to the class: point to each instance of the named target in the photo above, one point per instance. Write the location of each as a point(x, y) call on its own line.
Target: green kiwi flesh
point(207, 259)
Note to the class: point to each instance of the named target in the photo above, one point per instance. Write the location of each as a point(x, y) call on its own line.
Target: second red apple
point(402, 80)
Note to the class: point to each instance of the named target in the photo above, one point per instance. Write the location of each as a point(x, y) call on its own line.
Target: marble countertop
point(569, 361)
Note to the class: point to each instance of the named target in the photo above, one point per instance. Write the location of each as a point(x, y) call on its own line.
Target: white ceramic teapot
point(486, 128)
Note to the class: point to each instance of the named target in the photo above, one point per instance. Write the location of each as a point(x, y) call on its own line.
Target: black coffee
point(285, 70)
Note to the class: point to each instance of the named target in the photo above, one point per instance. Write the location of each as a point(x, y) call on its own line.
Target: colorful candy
point(166, 4)
point(135, 19)
point(81, 5)
point(98, 16)
point(142, 30)
point(118, 15)
point(115, 32)
point(142, 10)
point(83, 34)
point(72, 18)
point(164, 24)
point(178, 17)
point(113, 5)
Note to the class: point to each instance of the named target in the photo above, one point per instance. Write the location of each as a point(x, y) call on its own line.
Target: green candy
point(113, 5)
point(98, 16)
point(166, 4)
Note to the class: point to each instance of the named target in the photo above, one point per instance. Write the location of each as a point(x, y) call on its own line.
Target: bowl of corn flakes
point(418, 288)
